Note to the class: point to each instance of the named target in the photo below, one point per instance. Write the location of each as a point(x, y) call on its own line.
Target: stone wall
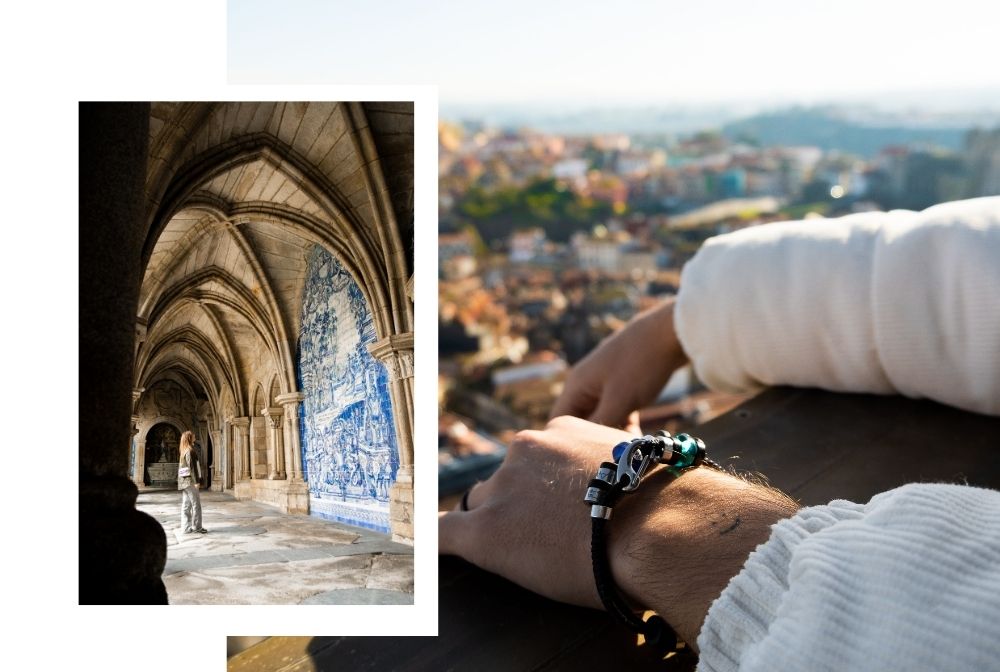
point(289, 497)
point(349, 451)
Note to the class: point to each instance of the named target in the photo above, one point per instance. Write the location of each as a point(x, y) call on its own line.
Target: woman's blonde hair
point(187, 443)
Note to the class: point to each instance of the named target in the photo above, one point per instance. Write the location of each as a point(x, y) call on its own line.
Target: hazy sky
point(621, 52)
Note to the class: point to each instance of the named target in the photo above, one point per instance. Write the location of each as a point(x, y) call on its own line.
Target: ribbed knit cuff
point(739, 619)
point(909, 581)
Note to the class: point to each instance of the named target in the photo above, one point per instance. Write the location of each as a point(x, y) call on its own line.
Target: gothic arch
point(177, 423)
point(378, 269)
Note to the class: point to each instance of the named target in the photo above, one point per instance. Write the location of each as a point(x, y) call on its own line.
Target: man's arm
point(673, 544)
point(898, 302)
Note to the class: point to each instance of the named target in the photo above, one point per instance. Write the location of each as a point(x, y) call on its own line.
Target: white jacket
point(898, 302)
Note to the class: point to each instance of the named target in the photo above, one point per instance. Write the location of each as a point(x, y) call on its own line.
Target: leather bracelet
point(613, 479)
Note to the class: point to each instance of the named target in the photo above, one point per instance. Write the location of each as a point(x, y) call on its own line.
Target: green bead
point(688, 449)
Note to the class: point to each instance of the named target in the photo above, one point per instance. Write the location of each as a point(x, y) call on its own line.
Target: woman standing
point(188, 478)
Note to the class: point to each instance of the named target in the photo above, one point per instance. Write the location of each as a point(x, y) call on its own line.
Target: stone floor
point(254, 554)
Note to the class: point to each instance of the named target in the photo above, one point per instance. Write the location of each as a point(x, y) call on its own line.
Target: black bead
point(659, 635)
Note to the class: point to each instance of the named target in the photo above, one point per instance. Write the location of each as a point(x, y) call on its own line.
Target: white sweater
point(898, 302)
point(909, 581)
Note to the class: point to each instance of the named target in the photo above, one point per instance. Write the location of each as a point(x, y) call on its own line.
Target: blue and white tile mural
point(349, 451)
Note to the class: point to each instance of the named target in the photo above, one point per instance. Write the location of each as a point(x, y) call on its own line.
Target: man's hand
point(673, 543)
point(626, 371)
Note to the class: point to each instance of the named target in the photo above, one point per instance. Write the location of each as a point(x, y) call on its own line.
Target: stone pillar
point(217, 464)
point(243, 487)
point(122, 551)
point(139, 461)
point(229, 469)
point(293, 445)
point(396, 354)
point(200, 430)
point(277, 466)
point(134, 447)
point(242, 426)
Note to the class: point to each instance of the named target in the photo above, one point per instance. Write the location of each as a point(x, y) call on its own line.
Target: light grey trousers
point(190, 509)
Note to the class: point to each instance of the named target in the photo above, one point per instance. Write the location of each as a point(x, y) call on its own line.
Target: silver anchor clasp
point(646, 447)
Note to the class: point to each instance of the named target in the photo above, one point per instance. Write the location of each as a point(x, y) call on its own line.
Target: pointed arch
point(377, 268)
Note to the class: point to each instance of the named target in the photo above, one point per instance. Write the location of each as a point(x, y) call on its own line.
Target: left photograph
point(246, 353)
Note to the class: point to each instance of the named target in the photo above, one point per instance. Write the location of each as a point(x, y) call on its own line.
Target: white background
point(55, 55)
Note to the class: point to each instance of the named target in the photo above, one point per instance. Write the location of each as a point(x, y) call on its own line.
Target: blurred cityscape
point(551, 241)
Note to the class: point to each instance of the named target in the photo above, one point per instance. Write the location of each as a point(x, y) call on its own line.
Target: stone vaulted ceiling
point(237, 195)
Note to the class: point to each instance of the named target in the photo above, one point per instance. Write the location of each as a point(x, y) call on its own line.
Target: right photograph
point(731, 386)
point(718, 331)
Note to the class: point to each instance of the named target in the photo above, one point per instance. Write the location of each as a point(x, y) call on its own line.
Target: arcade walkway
point(254, 554)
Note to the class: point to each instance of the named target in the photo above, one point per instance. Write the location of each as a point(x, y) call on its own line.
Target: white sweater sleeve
point(902, 301)
point(909, 581)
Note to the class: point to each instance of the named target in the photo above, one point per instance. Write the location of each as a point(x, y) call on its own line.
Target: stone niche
point(163, 412)
point(349, 451)
point(162, 452)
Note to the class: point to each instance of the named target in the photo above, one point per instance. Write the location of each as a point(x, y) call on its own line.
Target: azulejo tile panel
point(349, 451)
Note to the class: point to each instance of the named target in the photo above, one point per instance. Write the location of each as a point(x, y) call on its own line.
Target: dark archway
point(209, 460)
point(162, 450)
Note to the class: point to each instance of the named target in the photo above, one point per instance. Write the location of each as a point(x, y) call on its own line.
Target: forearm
point(898, 302)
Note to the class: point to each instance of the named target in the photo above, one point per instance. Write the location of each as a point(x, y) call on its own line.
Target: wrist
point(674, 549)
point(660, 320)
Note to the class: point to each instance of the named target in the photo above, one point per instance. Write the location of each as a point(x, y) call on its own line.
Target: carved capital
point(396, 354)
point(135, 424)
point(136, 395)
point(290, 399)
point(243, 424)
point(274, 415)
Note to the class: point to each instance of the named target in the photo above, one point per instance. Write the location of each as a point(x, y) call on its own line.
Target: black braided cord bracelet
point(613, 479)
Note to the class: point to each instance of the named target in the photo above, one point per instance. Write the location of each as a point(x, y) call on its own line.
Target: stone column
point(229, 469)
point(135, 457)
point(217, 464)
point(242, 426)
point(293, 445)
point(201, 430)
point(277, 467)
point(396, 354)
point(122, 551)
point(139, 462)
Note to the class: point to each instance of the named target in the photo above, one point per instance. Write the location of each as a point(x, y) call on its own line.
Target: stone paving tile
point(391, 572)
point(280, 583)
point(254, 554)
